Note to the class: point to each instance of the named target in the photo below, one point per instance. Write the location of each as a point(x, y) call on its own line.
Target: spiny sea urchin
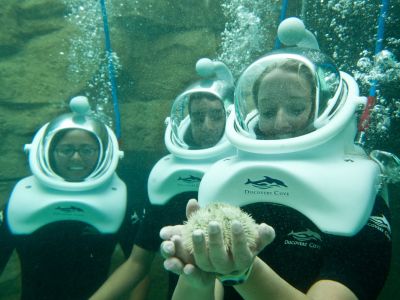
point(224, 214)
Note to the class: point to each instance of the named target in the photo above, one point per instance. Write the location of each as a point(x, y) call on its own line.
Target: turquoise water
point(346, 31)
point(53, 50)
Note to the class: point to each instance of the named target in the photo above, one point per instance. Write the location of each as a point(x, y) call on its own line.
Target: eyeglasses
point(84, 152)
point(198, 117)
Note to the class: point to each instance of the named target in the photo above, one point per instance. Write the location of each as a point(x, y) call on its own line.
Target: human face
point(75, 155)
point(284, 105)
point(207, 121)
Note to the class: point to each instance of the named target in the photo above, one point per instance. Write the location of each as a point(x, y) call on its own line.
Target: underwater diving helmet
point(195, 133)
point(333, 98)
point(307, 158)
point(80, 118)
point(316, 168)
point(216, 83)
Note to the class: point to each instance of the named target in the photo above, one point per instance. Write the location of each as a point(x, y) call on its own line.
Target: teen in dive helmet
point(53, 164)
point(198, 115)
point(73, 161)
point(296, 117)
point(282, 100)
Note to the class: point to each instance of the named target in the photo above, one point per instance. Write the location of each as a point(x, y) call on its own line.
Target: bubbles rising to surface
point(347, 31)
point(250, 28)
point(384, 70)
point(87, 55)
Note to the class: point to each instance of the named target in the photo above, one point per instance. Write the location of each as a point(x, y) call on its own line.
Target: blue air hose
point(363, 123)
point(111, 70)
point(281, 18)
point(380, 37)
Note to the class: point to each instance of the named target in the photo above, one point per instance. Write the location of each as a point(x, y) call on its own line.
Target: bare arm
point(186, 289)
point(264, 283)
point(127, 276)
point(199, 287)
point(197, 271)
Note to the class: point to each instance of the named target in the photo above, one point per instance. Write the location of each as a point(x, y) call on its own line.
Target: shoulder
point(362, 262)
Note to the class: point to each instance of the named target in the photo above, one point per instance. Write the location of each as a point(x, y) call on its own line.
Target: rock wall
point(157, 43)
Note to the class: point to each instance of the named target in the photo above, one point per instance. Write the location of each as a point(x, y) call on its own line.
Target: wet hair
point(289, 66)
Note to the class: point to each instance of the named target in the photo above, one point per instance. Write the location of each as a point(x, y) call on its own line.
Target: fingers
point(241, 253)
point(200, 250)
point(167, 232)
point(167, 249)
point(191, 207)
point(213, 256)
point(210, 254)
point(180, 250)
point(174, 248)
point(218, 254)
point(266, 236)
point(174, 265)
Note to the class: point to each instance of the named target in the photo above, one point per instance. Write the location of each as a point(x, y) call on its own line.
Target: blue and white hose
point(111, 70)
point(380, 37)
point(282, 16)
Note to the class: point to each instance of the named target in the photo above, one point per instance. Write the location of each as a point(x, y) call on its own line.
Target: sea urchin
point(224, 214)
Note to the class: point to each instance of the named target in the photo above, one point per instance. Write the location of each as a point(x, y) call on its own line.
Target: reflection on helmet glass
point(75, 150)
point(288, 93)
point(198, 114)
point(207, 121)
point(283, 97)
point(74, 154)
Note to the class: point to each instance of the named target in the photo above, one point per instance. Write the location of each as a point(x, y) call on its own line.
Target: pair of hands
point(210, 258)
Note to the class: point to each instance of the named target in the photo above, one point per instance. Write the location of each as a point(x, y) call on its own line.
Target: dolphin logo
point(380, 222)
point(303, 236)
point(190, 179)
point(134, 218)
point(70, 209)
point(266, 183)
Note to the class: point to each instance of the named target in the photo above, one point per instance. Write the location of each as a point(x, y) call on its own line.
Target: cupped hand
point(172, 249)
point(213, 257)
point(210, 254)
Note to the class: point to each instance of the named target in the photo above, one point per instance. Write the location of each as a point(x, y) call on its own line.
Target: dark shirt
point(64, 260)
point(158, 216)
point(302, 254)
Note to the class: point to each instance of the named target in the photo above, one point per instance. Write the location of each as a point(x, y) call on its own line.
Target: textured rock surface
point(157, 42)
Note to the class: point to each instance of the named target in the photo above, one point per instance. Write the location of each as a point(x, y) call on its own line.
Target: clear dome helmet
point(211, 98)
point(81, 118)
point(307, 84)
